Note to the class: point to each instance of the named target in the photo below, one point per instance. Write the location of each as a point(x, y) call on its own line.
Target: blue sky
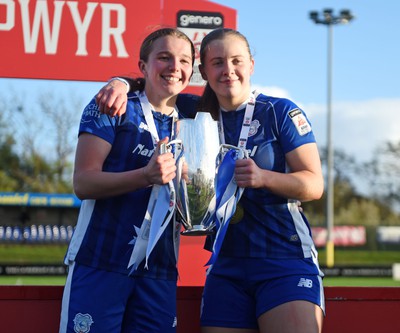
point(290, 52)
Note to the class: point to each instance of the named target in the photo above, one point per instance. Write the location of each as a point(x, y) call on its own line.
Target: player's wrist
point(145, 177)
point(128, 86)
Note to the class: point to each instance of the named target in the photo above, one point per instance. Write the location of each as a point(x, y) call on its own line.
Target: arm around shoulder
point(112, 98)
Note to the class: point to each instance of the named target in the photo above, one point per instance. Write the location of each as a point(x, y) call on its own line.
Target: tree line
point(37, 143)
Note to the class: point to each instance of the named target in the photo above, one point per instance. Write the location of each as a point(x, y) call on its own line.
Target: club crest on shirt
point(300, 122)
point(255, 124)
point(82, 323)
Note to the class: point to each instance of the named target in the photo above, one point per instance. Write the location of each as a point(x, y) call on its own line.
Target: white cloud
point(271, 91)
point(358, 127)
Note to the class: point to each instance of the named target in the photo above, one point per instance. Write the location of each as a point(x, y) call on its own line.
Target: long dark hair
point(147, 47)
point(209, 101)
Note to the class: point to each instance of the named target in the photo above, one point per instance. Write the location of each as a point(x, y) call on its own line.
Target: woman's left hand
point(248, 174)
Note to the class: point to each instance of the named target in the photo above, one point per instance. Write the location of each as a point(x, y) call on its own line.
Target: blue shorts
point(238, 291)
point(101, 301)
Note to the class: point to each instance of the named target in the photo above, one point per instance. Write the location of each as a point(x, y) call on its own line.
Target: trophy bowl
point(196, 172)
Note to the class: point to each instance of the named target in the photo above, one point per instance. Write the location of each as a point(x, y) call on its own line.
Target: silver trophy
point(194, 184)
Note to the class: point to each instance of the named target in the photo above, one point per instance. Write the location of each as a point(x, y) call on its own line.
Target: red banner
point(342, 235)
point(92, 40)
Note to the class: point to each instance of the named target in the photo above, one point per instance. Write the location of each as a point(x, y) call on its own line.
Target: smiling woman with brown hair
point(114, 285)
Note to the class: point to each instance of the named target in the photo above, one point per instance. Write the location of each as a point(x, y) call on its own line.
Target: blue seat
point(8, 233)
point(56, 233)
point(70, 231)
point(41, 233)
point(2, 233)
point(48, 234)
point(34, 234)
point(17, 235)
point(26, 234)
point(63, 234)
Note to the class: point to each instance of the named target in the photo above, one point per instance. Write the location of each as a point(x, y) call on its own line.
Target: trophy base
point(197, 230)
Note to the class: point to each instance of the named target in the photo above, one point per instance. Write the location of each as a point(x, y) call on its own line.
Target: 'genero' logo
point(204, 20)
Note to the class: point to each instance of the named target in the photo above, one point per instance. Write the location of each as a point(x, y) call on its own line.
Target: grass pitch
point(54, 254)
point(328, 281)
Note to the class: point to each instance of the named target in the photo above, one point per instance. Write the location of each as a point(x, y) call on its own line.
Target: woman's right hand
point(161, 168)
point(112, 98)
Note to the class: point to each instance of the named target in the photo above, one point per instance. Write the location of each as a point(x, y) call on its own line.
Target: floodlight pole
point(330, 20)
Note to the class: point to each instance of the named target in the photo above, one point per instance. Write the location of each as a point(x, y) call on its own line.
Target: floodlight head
point(346, 15)
point(314, 16)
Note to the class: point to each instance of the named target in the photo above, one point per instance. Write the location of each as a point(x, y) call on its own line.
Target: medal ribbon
point(227, 192)
point(161, 205)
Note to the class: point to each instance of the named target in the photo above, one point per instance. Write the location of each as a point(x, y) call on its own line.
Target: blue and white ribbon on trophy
point(227, 193)
point(161, 206)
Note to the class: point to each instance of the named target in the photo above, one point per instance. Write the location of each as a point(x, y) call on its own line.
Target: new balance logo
point(307, 283)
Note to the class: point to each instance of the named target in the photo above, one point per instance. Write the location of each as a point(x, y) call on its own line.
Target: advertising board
point(94, 40)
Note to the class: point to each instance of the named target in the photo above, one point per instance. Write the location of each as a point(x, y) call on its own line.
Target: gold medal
point(238, 216)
